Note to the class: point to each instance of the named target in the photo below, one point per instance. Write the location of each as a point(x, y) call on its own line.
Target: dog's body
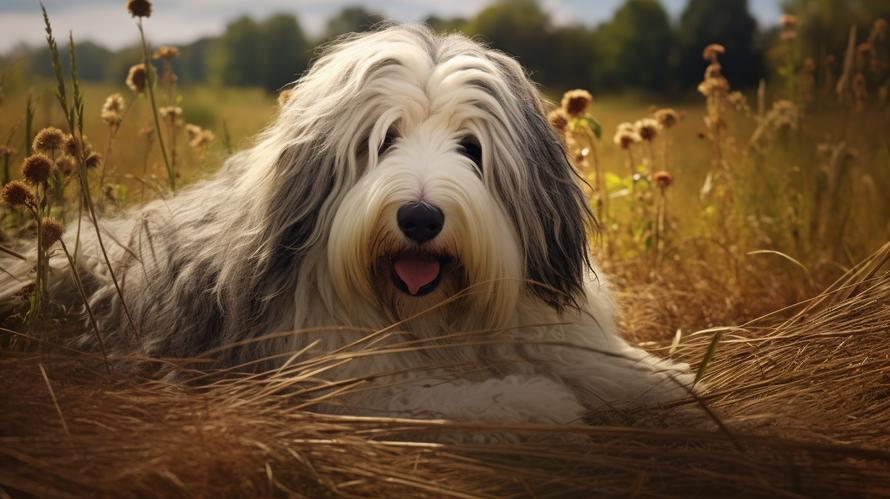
point(410, 179)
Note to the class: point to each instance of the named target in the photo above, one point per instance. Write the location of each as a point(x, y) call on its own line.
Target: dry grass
point(803, 402)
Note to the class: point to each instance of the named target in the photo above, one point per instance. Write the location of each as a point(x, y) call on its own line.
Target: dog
point(410, 191)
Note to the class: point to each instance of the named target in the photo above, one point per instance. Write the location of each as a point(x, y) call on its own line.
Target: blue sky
point(180, 21)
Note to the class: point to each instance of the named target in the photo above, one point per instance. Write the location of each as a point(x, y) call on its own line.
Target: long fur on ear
point(554, 225)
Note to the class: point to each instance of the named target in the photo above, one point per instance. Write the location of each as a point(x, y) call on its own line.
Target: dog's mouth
point(417, 273)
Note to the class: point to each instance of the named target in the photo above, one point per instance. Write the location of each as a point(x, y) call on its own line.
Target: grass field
point(744, 233)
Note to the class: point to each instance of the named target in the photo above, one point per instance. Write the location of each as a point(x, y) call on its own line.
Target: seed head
point(73, 146)
point(788, 35)
point(197, 136)
point(147, 132)
point(112, 110)
point(166, 52)
point(36, 168)
point(284, 95)
point(626, 136)
point(648, 129)
point(713, 51)
point(65, 165)
point(137, 78)
point(558, 120)
point(49, 140)
point(788, 21)
point(111, 119)
point(93, 160)
point(51, 231)
point(574, 102)
point(139, 8)
point(663, 179)
point(17, 193)
point(7, 151)
point(667, 117)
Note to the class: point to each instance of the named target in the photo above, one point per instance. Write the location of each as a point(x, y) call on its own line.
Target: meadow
point(747, 233)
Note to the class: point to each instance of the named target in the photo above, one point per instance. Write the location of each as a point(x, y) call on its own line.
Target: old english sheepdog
point(410, 193)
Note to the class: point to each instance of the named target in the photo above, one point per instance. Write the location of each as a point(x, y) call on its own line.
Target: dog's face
point(434, 172)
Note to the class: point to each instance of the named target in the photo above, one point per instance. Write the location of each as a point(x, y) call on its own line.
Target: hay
point(804, 402)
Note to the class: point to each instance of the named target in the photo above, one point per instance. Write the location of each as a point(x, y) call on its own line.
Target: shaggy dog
point(409, 192)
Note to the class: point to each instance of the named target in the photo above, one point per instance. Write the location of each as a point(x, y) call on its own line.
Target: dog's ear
point(551, 212)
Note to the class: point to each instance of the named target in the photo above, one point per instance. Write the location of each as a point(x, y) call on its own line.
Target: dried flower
point(65, 165)
point(137, 78)
point(667, 117)
point(713, 86)
point(788, 21)
point(626, 136)
point(574, 102)
point(36, 168)
point(738, 101)
point(51, 231)
point(284, 96)
point(663, 179)
point(93, 160)
point(49, 140)
point(713, 51)
point(7, 151)
point(74, 146)
point(139, 8)
point(197, 136)
point(166, 52)
point(648, 129)
point(558, 120)
point(147, 132)
point(17, 193)
point(112, 110)
point(170, 112)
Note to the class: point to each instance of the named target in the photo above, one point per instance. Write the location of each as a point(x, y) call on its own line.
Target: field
point(747, 234)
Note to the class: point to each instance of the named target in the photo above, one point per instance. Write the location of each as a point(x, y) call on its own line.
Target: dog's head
point(424, 166)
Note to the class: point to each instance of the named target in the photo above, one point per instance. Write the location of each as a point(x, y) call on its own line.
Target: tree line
point(639, 48)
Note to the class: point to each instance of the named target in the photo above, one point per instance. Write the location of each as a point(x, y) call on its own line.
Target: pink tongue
point(416, 271)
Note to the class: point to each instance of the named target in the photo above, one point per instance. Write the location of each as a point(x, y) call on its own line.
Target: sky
point(181, 21)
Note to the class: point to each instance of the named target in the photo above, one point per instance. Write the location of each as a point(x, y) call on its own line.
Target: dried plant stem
point(86, 303)
point(149, 84)
point(74, 118)
point(52, 395)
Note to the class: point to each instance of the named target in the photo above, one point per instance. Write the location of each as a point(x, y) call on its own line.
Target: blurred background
point(609, 46)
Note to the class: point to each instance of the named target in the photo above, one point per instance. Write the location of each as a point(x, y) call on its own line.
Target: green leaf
point(594, 126)
point(712, 347)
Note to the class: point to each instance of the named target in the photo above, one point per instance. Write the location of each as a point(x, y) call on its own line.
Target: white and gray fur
point(289, 235)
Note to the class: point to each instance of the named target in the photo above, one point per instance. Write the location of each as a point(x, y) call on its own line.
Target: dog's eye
point(388, 142)
point(471, 148)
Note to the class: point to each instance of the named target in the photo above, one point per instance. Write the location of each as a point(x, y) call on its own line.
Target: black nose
point(420, 222)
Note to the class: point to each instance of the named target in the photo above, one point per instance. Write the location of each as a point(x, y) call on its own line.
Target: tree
point(635, 47)
point(284, 51)
point(351, 20)
point(520, 28)
point(729, 23)
point(235, 60)
point(269, 54)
